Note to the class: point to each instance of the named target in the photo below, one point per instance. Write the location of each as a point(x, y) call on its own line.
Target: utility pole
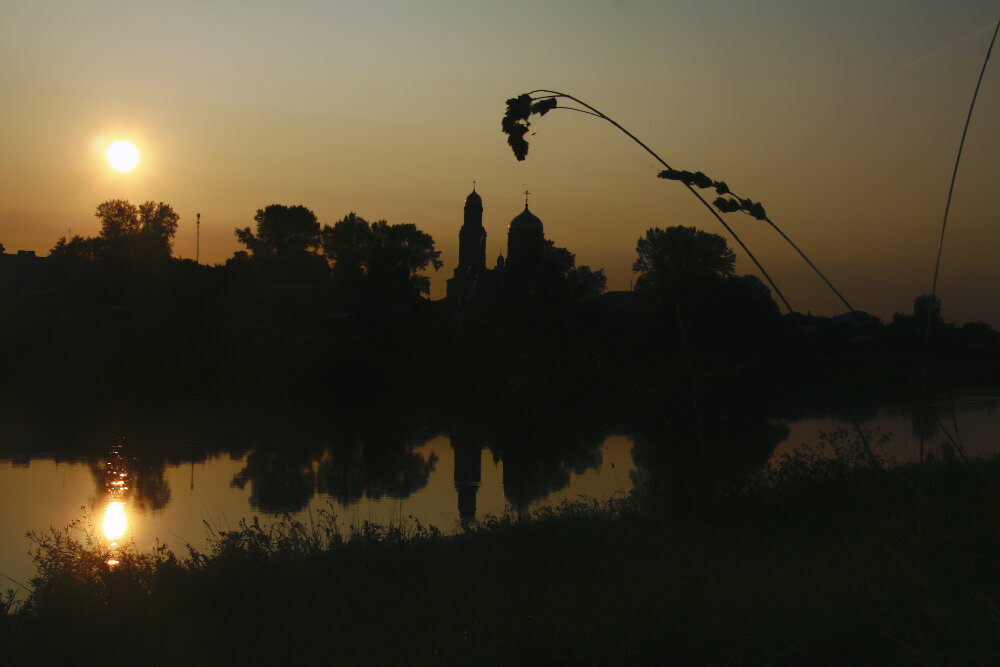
point(197, 239)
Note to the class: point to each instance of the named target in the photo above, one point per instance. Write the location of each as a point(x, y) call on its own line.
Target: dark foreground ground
point(831, 561)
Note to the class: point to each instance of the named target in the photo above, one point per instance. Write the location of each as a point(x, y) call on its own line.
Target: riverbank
point(830, 561)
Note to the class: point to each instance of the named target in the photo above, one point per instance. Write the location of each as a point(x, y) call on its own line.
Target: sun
point(122, 156)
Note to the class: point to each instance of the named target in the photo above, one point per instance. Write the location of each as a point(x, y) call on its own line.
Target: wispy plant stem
point(944, 226)
point(594, 112)
point(807, 261)
point(958, 158)
point(813, 266)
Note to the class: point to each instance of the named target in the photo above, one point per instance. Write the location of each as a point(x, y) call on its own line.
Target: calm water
point(439, 479)
point(173, 504)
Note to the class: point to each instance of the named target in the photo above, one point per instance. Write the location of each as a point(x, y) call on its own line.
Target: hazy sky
point(842, 117)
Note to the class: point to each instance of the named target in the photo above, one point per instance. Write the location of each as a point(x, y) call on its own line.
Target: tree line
point(312, 302)
point(687, 277)
point(286, 245)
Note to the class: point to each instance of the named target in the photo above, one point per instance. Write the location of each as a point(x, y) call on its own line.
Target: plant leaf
point(726, 205)
point(757, 211)
point(671, 174)
point(700, 180)
point(544, 106)
point(515, 124)
point(754, 209)
point(517, 142)
point(519, 108)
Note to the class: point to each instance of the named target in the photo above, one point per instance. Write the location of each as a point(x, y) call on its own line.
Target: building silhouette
point(472, 280)
point(525, 241)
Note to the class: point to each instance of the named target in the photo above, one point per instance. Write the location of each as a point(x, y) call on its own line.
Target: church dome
point(474, 199)
point(527, 221)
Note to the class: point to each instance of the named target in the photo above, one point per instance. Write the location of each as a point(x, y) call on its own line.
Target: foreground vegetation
point(833, 558)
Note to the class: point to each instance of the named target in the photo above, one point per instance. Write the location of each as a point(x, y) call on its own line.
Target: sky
point(842, 118)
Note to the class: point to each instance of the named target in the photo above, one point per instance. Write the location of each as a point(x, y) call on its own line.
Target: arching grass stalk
point(545, 100)
point(756, 210)
point(958, 158)
point(515, 125)
point(944, 226)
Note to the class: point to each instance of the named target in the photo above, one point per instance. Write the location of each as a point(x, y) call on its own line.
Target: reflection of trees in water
point(540, 451)
point(936, 420)
point(542, 438)
point(282, 477)
point(350, 474)
point(684, 456)
point(152, 491)
point(145, 485)
point(367, 461)
point(374, 459)
point(533, 474)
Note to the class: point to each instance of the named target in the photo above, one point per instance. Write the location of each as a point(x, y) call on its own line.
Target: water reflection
point(369, 459)
point(115, 521)
point(541, 454)
point(347, 462)
point(502, 456)
point(117, 490)
point(468, 475)
point(688, 453)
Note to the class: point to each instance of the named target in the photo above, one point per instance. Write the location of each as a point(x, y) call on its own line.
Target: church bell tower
point(472, 236)
point(471, 251)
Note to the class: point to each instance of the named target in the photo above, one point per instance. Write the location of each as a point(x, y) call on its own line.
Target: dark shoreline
point(832, 563)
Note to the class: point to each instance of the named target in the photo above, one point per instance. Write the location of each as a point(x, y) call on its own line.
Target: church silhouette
point(525, 246)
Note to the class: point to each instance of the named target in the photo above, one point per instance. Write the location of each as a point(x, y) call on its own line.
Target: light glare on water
point(115, 521)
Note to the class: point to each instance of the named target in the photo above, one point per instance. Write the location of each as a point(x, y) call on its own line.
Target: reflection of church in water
point(472, 281)
point(525, 245)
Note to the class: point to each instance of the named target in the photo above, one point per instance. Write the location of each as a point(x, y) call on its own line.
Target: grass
point(834, 558)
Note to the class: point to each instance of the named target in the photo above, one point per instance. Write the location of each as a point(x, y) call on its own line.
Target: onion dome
point(526, 221)
point(474, 202)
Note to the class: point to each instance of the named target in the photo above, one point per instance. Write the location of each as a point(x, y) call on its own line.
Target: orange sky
point(842, 118)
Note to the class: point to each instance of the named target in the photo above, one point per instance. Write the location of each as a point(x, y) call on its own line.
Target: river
point(131, 489)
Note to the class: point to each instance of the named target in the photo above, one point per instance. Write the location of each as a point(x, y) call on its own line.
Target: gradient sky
point(843, 118)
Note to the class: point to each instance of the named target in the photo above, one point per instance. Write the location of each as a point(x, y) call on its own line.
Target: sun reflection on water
point(116, 487)
point(115, 521)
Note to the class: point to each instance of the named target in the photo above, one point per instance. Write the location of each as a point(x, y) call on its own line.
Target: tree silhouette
point(688, 279)
point(346, 246)
point(79, 248)
point(286, 243)
point(677, 258)
point(132, 233)
point(585, 283)
point(398, 252)
point(553, 280)
point(379, 259)
point(158, 224)
point(131, 236)
point(119, 220)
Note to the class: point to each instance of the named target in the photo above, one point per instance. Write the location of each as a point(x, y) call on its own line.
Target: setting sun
point(122, 156)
